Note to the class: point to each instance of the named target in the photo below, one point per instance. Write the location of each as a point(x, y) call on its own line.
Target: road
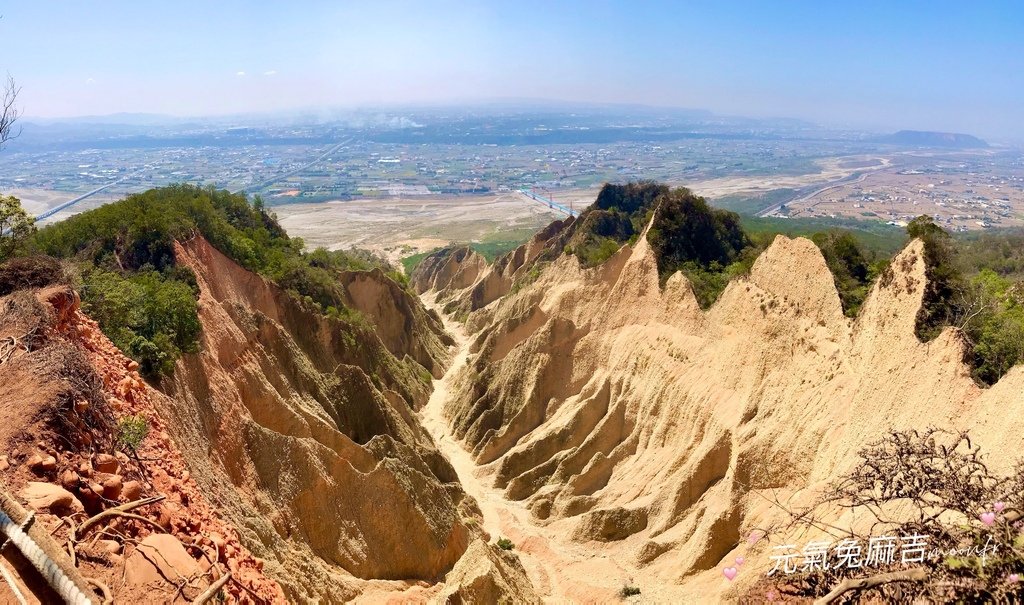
point(855, 177)
point(258, 187)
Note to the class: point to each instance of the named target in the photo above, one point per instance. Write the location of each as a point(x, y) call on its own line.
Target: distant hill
point(925, 138)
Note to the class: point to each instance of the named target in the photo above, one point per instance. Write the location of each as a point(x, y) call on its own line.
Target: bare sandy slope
point(560, 569)
point(647, 437)
point(402, 226)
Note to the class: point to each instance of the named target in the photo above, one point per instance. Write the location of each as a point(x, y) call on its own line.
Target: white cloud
point(272, 72)
point(90, 81)
point(240, 74)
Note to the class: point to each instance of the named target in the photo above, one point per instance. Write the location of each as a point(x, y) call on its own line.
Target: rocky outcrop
point(487, 575)
point(398, 318)
point(464, 282)
point(448, 269)
point(287, 452)
point(67, 389)
point(623, 415)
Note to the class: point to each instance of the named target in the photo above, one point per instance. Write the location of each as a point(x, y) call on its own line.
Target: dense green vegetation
point(875, 237)
point(145, 303)
point(150, 316)
point(16, 226)
point(617, 216)
point(854, 268)
point(706, 244)
point(974, 285)
point(688, 235)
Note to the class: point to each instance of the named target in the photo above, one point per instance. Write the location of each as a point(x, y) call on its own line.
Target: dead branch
point(917, 574)
point(107, 597)
point(120, 511)
point(210, 592)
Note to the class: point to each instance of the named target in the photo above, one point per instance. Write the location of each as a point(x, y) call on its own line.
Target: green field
point(751, 205)
point(876, 236)
point(490, 247)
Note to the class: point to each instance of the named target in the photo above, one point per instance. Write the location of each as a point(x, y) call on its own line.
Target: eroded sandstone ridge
point(288, 451)
point(656, 434)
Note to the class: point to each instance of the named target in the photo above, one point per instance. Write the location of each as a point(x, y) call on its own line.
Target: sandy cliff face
point(451, 268)
point(462, 280)
point(655, 433)
point(302, 427)
point(399, 320)
point(290, 446)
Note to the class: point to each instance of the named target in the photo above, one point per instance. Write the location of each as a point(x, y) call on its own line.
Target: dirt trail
point(559, 569)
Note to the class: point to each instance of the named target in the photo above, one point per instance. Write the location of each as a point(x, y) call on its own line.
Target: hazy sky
point(928, 65)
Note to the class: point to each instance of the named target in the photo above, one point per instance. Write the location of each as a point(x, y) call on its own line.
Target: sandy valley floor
point(402, 226)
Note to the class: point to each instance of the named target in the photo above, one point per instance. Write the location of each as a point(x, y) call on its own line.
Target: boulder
point(112, 487)
point(160, 558)
point(42, 464)
point(131, 490)
point(105, 463)
point(50, 498)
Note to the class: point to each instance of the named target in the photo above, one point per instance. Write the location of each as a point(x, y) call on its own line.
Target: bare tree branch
point(917, 574)
point(9, 111)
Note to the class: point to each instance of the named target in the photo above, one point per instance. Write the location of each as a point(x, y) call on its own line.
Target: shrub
point(16, 226)
point(131, 431)
point(931, 483)
point(505, 544)
point(685, 229)
point(146, 304)
point(988, 308)
point(30, 272)
point(686, 234)
point(629, 591)
point(850, 266)
point(151, 318)
point(941, 305)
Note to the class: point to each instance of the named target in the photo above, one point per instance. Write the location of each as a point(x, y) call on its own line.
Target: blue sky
point(928, 65)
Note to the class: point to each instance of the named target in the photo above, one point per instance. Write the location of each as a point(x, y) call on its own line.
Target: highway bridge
point(549, 202)
point(69, 203)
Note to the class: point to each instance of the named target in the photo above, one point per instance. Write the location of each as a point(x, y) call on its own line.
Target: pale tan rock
point(51, 498)
point(157, 559)
point(486, 574)
point(591, 392)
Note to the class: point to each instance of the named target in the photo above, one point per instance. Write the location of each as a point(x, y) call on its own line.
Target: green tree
point(16, 226)
point(849, 265)
point(946, 294)
point(148, 316)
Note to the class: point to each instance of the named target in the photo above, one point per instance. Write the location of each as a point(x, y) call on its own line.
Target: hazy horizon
point(936, 66)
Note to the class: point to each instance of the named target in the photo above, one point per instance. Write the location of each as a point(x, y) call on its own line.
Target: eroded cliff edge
point(303, 428)
point(653, 432)
point(292, 436)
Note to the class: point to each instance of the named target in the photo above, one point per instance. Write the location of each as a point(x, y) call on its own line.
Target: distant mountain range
point(925, 138)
